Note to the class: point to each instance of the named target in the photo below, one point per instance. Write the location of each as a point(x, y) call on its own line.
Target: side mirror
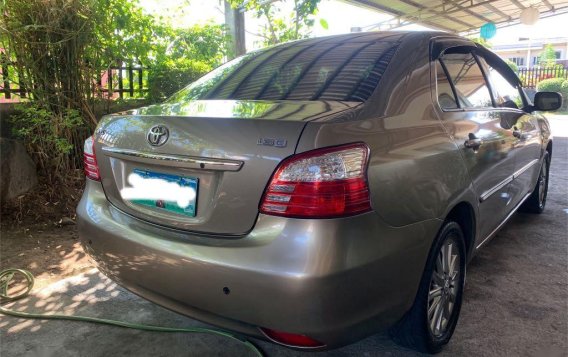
point(547, 101)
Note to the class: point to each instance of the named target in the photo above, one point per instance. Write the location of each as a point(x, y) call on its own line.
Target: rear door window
point(446, 97)
point(468, 79)
point(506, 95)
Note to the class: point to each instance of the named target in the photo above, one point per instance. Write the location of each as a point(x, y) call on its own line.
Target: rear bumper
point(335, 280)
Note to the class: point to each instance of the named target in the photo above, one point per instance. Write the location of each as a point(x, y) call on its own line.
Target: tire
point(415, 329)
point(537, 200)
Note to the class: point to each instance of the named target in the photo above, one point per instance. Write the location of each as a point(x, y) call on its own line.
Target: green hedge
point(564, 87)
point(169, 77)
point(512, 65)
point(550, 85)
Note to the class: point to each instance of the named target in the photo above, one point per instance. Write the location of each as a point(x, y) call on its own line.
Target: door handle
point(473, 142)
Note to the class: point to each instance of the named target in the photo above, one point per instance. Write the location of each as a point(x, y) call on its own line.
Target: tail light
point(322, 183)
point(90, 160)
point(291, 339)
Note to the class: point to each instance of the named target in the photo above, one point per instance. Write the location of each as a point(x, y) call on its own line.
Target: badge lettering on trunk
point(276, 142)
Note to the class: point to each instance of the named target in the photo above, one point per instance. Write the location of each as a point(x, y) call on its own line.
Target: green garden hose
point(7, 275)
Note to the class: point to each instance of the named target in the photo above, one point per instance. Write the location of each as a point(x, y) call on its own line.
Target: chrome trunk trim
point(180, 161)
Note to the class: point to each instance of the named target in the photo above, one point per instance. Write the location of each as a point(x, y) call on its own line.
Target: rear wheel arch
point(549, 148)
point(464, 215)
point(414, 329)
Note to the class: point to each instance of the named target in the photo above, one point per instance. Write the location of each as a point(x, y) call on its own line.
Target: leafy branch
point(282, 28)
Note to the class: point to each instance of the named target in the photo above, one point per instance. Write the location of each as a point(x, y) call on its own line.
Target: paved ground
point(515, 301)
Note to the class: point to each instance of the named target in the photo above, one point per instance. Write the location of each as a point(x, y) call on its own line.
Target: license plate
point(172, 193)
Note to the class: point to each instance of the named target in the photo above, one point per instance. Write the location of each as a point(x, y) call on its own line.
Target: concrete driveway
point(515, 301)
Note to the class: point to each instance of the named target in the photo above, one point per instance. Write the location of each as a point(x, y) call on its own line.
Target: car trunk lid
point(226, 150)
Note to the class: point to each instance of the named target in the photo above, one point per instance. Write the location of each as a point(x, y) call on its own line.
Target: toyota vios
point(316, 192)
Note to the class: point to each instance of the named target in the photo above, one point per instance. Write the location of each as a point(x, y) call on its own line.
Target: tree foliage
point(130, 35)
point(183, 55)
point(123, 33)
point(548, 56)
point(51, 43)
point(60, 48)
point(281, 27)
point(481, 41)
point(512, 65)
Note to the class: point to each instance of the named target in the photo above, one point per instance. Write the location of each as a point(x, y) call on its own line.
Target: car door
point(466, 108)
point(527, 148)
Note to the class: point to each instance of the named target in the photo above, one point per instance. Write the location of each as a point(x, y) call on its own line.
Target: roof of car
point(382, 35)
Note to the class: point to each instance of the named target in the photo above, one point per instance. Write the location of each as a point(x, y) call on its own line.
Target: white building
point(526, 52)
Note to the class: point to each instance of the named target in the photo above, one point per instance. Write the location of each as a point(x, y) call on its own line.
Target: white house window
point(519, 61)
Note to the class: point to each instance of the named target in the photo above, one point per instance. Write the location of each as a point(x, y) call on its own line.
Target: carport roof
point(459, 16)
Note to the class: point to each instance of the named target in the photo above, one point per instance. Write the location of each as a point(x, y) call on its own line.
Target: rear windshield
point(309, 70)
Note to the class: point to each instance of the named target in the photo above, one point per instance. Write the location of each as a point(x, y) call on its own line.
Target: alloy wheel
point(444, 287)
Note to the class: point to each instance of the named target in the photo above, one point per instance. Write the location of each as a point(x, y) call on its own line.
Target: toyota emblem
point(158, 135)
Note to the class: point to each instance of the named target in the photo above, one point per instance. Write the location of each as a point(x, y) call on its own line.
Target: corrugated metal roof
point(459, 16)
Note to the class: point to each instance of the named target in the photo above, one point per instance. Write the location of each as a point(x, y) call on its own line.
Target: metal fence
point(128, 81)
point(8, 86)
point(131, 81)
point(531, 76)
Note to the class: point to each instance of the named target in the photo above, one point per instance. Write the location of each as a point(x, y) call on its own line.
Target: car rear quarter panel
point(544, 128)
point(415, 170)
